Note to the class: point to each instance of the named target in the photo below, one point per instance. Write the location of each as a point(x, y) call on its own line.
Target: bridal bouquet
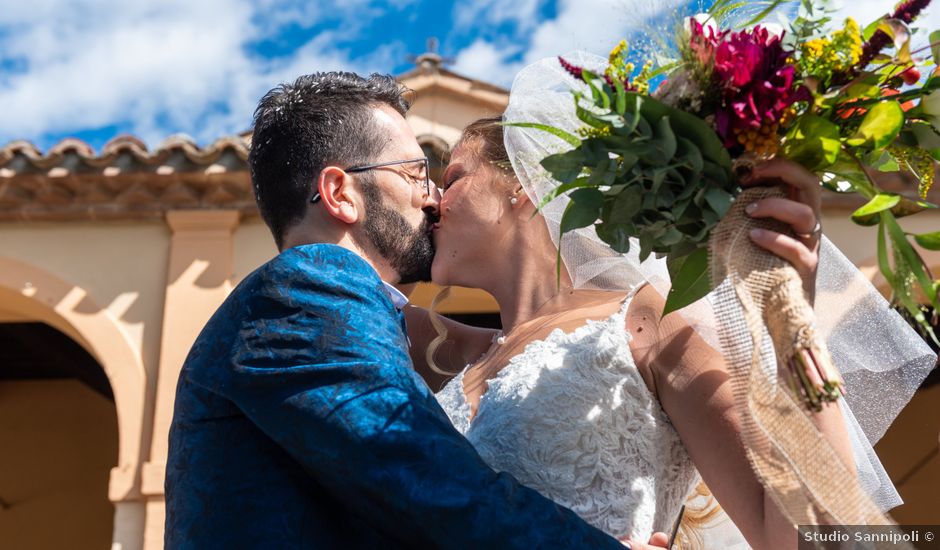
point(658, 159)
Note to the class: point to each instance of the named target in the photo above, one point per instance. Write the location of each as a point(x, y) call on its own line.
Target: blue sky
point(94, 69)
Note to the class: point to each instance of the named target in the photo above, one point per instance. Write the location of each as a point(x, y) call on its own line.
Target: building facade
point(110, 264)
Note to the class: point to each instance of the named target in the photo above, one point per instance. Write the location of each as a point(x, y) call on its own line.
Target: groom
point(299, 421)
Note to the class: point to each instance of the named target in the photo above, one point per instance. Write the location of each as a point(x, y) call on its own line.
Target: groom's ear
point(338, 194)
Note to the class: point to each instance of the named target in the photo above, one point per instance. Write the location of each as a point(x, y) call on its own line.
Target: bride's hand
point(801, 212)
point(657, 542)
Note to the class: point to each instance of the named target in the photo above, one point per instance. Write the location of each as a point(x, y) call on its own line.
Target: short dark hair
point(300, 128)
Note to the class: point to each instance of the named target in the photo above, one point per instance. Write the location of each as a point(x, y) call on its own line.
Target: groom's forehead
point(398, 134)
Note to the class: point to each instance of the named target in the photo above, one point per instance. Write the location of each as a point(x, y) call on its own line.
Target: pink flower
point(757, 83)
point(703, 40)
point(748, 54)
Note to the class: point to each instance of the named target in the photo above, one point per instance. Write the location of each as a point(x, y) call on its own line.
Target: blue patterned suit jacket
point(299, 423)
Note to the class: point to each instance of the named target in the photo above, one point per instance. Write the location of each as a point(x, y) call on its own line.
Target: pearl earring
point(513, 200)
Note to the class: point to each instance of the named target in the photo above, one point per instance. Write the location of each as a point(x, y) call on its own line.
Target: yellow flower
point(642, 80)
point(616, 53)
point(822, 57)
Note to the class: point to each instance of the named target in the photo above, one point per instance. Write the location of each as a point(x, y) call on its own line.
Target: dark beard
point(409, 251)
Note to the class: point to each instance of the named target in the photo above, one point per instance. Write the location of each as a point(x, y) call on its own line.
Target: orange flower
point(860, 111)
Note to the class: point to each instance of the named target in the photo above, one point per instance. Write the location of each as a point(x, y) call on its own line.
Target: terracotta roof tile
point(126, 180)
point(130, 146)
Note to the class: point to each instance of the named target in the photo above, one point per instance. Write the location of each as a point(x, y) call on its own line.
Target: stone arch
point(435, 143)
point(40, 295)
point(438, 152)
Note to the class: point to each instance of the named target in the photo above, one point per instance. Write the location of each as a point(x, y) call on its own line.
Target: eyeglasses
point(419, 179)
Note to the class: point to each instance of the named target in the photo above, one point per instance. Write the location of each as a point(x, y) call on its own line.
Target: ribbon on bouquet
point(795, 463)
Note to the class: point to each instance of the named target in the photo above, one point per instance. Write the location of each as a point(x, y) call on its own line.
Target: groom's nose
point(432, 201)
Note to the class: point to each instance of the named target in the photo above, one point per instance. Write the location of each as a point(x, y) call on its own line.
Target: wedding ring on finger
point(817, 229)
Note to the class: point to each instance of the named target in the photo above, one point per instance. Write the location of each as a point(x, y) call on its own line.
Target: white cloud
point(477, 13)
point(485, 61)
point(590, 25)
point(160, 65)
point(597, 25)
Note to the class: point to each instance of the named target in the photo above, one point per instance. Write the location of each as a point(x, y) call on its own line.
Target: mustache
point(430, 216)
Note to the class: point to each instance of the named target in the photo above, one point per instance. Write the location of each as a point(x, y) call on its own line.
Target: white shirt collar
point(399, 299)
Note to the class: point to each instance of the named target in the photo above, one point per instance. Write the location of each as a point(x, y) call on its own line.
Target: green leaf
point(558, 132)
point(643, 127)
point(900, 33)
point(627, 205)
point(813, 142)
point(872, 28)
point(663, 69)
point(719, 200)
point(620, 103)
point(601, 99)
point(883, 263)
point(603, 173)
point(903, 246)
point(869, 213)
point(583, 210)
point(866, 86)
point(690, 280)
point(588, 117)
point(616, 235)
point(690, 127)
point(925, 135)
point(667, 138)
point(563, 188)
point(564, 167)
point(933, 83)
point(930, 241)
point(691, 154)
point(646, 245)
point(627, 161)
point(935, 45)
point(906, 207)
point(883, 162)
point(721, 9)
point(880, 126)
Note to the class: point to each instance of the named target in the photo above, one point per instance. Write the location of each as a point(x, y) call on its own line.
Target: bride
point(587, 395)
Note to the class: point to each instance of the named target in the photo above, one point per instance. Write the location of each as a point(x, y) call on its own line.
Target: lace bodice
point(572, 418)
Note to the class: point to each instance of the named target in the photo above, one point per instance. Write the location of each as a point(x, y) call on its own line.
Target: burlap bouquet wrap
point(763, 296)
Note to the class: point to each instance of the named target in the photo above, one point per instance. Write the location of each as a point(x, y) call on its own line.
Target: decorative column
point(198, 280)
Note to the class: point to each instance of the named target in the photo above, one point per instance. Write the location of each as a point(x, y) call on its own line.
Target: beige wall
point(120, 265)
point(910, 456)
point(59, 442)
point(440, 114)
point(253, 246)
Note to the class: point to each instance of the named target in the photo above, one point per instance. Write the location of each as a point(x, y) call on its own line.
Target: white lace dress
point(571, 418)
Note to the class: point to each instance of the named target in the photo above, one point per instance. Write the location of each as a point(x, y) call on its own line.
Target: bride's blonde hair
point(435, 318)
point(701, 510)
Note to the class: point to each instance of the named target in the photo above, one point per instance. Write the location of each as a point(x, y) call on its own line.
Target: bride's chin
point(439, 273)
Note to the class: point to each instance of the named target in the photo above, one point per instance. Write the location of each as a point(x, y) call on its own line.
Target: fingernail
point(757, 233)
point(751, 208)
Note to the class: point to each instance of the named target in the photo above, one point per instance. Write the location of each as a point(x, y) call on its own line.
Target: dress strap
point(625, 303)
